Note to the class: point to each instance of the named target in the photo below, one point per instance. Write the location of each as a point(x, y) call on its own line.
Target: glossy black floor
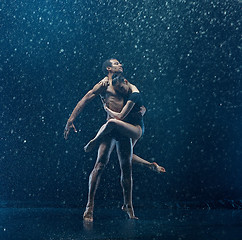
point(112, 223)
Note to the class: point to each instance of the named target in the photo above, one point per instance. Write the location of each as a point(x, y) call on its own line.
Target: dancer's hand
point(142, 110)
point(67, 129)
point(104, 82)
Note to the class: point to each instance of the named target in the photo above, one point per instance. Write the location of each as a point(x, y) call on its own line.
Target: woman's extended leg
point(151, 165)
point(126, 129)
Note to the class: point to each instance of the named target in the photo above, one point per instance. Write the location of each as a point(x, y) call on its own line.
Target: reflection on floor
point(112, 224)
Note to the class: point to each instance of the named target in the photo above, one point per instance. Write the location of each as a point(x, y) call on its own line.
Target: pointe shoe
point(155, 167)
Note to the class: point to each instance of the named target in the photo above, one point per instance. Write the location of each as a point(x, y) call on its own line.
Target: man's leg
point(125, 151)
point(104, 152)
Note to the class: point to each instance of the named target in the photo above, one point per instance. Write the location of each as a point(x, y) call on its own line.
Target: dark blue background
point(183, 55)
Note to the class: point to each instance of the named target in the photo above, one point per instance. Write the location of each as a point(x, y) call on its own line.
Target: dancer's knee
point(111, 123)
point(99, 167)
point(126, 162)
point(126, 170)
point(126, 180)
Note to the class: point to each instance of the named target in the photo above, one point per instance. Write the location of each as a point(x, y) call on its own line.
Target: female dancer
point(129, 122)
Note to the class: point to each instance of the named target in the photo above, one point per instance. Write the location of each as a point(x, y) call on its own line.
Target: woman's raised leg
point(126, 129)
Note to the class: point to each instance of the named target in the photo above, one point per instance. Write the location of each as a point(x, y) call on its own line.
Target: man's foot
point(130, 211)
point(90, 146)
point(88, 215)
point(155, 167)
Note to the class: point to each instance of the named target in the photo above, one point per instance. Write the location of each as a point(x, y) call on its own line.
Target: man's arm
point(90, 95)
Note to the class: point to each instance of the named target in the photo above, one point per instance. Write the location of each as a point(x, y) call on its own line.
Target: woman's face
point(122, 88)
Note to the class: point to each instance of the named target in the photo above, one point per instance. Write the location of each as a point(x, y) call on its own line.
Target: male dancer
point(115, 102)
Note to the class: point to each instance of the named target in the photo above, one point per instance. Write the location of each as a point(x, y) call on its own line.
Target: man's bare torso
point(113, 99)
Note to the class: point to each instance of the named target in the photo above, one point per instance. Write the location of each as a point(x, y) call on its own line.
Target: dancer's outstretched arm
point(90, 95)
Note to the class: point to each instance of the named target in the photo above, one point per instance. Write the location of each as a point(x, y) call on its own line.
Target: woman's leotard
point(135, 117)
